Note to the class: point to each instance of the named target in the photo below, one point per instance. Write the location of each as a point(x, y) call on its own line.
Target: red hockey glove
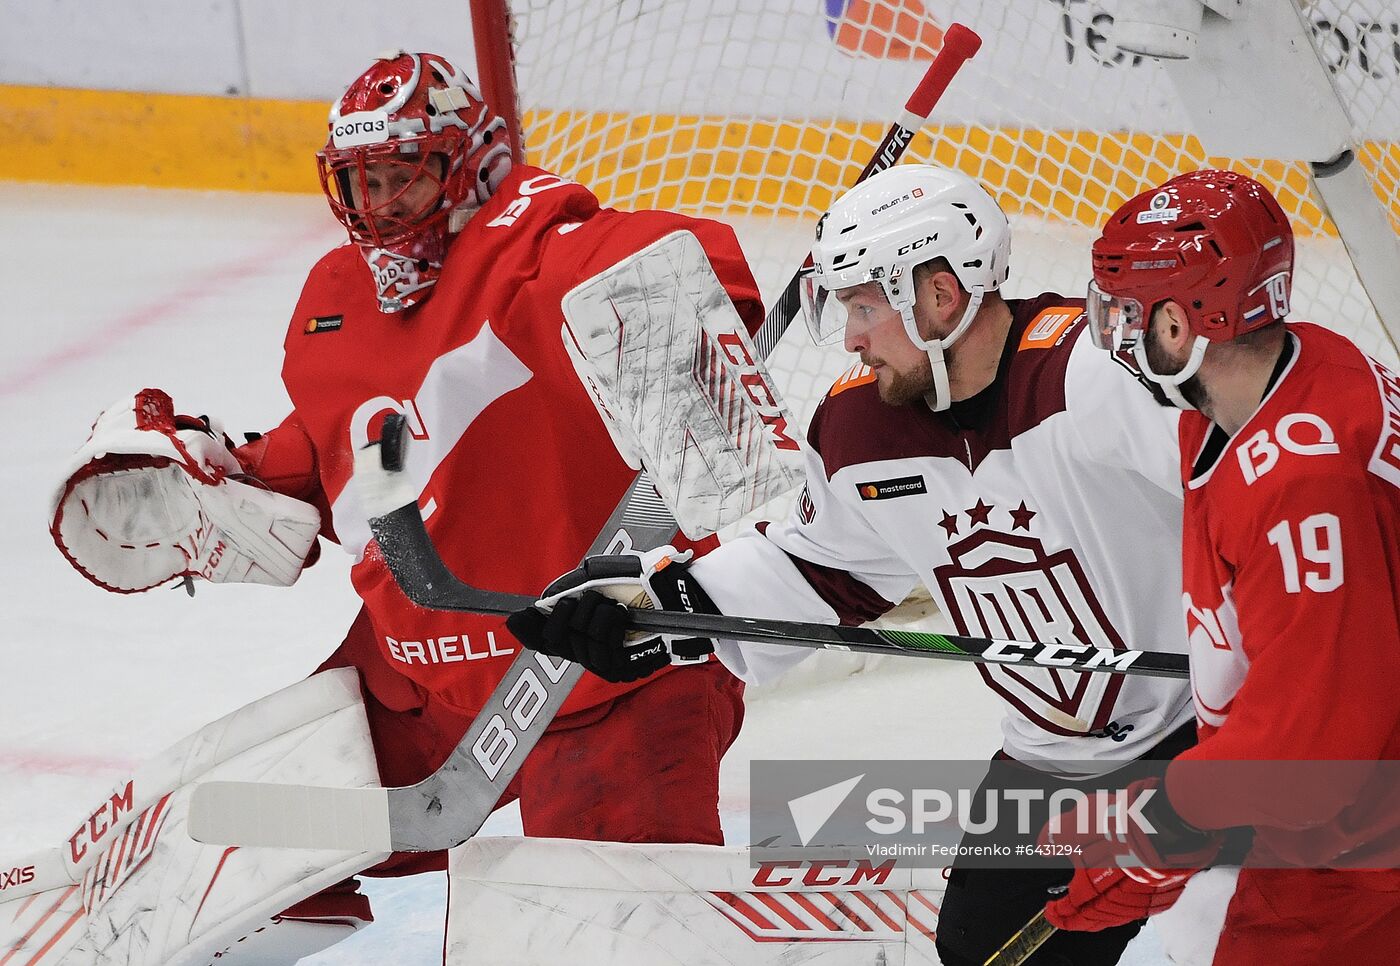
point(1132, 855)
point(580, 618)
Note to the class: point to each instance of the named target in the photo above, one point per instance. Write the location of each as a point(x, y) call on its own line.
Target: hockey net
point(760, 112)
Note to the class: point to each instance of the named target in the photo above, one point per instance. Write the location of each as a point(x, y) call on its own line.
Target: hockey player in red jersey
point(969, 451)
point(1291, 585)
point(446, 307)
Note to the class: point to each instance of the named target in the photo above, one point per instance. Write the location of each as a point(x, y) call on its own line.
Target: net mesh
point(762, 111)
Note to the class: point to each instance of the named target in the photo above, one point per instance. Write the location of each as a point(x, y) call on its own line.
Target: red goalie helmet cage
point(410, 110)
point(1215, 242)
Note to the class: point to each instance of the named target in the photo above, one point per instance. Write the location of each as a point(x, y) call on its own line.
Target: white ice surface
point(110, 290)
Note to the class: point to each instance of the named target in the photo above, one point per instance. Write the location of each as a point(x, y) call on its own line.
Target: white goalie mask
point(880, 229)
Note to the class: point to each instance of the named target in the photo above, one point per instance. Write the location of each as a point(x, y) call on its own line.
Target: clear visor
point(833, 314)
point(1115, 322)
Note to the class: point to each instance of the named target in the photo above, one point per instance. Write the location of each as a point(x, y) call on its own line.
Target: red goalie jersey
point(517, 470)
point(1292, 593)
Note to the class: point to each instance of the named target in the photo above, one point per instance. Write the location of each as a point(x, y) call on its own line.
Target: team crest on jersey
point(324, 323)
point(1218, 661)
point(806, 509)
point(1049, 327)
point(1007, 586)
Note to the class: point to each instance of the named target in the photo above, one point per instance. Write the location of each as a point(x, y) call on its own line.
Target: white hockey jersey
point(1046, 508)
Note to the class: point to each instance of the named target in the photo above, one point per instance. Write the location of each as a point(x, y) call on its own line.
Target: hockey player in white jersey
point(984, 448)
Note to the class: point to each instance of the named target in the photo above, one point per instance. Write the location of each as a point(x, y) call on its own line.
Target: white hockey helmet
point(880, 229)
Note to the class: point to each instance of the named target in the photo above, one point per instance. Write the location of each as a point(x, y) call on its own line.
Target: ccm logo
point(822, 874)
point(523, 703)
point(906, 249)
point(757, 389)
point(16, 877)
point(1301, 433)
point(99, 823)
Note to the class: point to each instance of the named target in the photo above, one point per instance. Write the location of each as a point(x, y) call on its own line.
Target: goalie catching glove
point(581, 617)
point(153, 496)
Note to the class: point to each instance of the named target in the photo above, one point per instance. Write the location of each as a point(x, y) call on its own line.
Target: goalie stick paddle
point(448, 807)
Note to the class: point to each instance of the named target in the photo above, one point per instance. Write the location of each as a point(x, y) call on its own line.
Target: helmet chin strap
point(941, 397)
point(1171, 381)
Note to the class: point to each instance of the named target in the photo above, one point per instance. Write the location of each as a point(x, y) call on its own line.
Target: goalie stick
point(250, 813)
point(425, 579)
point(449, 806)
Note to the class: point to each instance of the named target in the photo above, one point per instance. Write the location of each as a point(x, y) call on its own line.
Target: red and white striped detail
point(44, 925)
point(124, 856)
point(873, 916)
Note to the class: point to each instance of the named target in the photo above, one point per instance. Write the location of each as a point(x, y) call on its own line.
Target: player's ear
point(1173, 329)
point(947, 293)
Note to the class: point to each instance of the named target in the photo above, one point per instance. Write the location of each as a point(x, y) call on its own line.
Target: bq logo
point(884, 29)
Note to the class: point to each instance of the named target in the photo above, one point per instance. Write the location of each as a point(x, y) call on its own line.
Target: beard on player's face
point(900, 388)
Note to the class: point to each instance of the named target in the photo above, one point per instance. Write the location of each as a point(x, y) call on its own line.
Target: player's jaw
point(902, 372)
point(1164, 363)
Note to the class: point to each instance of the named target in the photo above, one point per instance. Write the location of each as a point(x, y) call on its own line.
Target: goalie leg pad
point(602, 903)
point(144, 892)
point(303, 930)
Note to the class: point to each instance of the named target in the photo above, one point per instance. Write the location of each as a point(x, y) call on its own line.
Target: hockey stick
point(404, 819)
point(449, 806)
point(425, 579)
point(1024, 943)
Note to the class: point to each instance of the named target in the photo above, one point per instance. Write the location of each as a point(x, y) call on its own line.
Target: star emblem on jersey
point(1021, 517)
point(980, 513)
point(949, 523)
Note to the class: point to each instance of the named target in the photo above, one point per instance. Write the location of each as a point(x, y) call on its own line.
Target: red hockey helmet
point(1215, 242)
point(412, 152)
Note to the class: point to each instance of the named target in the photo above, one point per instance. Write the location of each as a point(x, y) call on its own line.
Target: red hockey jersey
point(1291, 562)
point(517, 471)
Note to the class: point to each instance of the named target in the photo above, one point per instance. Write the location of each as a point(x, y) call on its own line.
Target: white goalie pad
point(673, 372)
point(130, 887)
point(520, 902)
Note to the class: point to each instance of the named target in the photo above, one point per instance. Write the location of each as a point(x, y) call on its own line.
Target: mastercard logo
point(870, 492)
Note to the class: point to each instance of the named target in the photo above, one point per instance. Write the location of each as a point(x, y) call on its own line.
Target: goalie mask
point(413, 152)
point(881, 229)
point(1215, 242)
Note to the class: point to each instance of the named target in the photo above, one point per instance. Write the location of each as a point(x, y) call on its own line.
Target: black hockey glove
point(581, 617)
